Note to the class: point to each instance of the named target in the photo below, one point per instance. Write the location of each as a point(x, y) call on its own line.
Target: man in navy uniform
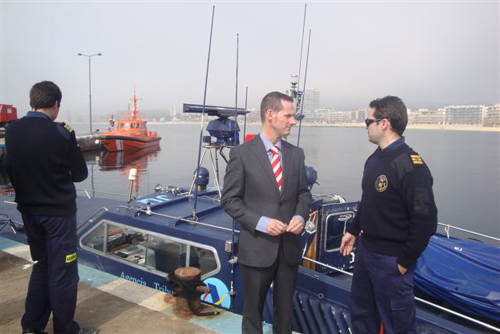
point(43, 161)
point(396, 217)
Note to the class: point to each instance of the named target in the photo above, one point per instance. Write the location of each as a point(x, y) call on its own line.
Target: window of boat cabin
point(132, 125)
point(120, 125)
point(127, 244)
point(166, 255)
point(147, 249)
point(127, 125)
point(95, 240)
point(203, 259)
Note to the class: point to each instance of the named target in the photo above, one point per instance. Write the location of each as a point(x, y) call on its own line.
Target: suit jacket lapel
point(259, 150)
point(286, 155)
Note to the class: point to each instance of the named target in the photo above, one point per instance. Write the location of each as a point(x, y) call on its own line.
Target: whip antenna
point(302, 46)
point(236, 92)
point(305, 80)
point(194, 217)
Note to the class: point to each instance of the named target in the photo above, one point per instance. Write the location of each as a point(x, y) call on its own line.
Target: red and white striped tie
point(276, 164)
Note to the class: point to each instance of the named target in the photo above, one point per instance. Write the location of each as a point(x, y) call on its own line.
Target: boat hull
point(123, 143)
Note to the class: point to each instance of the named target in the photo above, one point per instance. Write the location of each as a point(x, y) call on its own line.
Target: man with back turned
point(43, 161)
point(265, 189)
point(396, 217)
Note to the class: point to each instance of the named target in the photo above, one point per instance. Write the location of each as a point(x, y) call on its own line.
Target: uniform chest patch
point(381, 183)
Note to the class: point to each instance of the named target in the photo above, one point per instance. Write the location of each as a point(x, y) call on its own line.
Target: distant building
point(464, 115)
point(340, 117)
point(426, 116)
point(359, 115)
point(311, 100)
point(492, 117)
point(176, 111)
point(253, 116)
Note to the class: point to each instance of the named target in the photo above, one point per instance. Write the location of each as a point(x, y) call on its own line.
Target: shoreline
point(352, 125)
point(362, 125)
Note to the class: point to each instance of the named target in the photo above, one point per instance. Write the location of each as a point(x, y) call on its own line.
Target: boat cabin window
point(127, 125)
point(95, 239)
point(132, 125)
point(203, 258)
point(150, 250)
point(335, 229)
point(120, 126)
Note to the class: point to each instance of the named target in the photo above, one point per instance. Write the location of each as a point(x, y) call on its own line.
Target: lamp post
point(90, 84)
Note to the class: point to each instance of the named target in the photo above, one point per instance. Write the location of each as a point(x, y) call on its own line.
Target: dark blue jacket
point(43, 160)
point(397, 213)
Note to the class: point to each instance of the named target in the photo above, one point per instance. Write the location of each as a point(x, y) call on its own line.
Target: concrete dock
point(112, 304)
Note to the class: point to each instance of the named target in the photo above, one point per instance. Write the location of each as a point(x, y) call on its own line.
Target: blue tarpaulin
point(465, 274)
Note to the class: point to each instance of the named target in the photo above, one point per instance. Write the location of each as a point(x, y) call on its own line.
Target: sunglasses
point(369, 121)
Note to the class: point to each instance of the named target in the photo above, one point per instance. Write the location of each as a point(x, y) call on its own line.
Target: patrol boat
point(130, 133)
point(143, 239)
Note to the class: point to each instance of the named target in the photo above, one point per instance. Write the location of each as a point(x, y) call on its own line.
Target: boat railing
point(439, 307)
point(87, 192)
point(179, 218)
point(447, 228)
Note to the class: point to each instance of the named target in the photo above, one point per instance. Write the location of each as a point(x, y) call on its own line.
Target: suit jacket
point(250, 192)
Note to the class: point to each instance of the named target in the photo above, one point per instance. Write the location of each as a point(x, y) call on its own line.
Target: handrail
point(86, 191)
point(460, 315)
point(448, 226)
point(89, 220)
point(149, 213)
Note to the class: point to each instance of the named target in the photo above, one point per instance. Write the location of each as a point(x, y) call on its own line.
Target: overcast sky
point(431, 54)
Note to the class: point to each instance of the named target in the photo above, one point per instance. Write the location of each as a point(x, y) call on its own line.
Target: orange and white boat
point(130, 133)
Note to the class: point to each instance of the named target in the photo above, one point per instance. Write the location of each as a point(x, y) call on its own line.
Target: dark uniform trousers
point(256, 282)
point(54, 280)
point(381, 295)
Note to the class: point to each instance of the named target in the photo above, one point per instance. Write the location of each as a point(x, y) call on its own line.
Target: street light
point(90, 84)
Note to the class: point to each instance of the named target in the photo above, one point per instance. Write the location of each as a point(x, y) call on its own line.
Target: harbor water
point(465, 166)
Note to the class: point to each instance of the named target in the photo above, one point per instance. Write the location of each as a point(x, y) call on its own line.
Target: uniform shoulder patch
point(65, 130)
point(416, 160)
point(67, 127)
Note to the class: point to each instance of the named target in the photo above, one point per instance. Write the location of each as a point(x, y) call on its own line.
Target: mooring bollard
point(188, 287)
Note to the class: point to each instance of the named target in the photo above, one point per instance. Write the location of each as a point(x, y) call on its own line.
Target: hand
point(347, 243)
point(275, 227)
point(402, 269)
point(295, 226)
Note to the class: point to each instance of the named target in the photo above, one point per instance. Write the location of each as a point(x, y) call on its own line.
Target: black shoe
point(33, 331)
point(89, 330)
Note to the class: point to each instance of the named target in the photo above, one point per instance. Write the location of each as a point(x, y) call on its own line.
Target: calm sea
point(465, 167)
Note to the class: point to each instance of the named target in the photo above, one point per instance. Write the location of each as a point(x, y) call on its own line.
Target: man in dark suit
point(265, 189)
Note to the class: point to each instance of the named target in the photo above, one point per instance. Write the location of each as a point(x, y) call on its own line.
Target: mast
point(134, 105)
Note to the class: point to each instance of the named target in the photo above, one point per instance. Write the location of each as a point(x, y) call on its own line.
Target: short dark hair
point(273, 101)
point(44, 95)
point(392, 108)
